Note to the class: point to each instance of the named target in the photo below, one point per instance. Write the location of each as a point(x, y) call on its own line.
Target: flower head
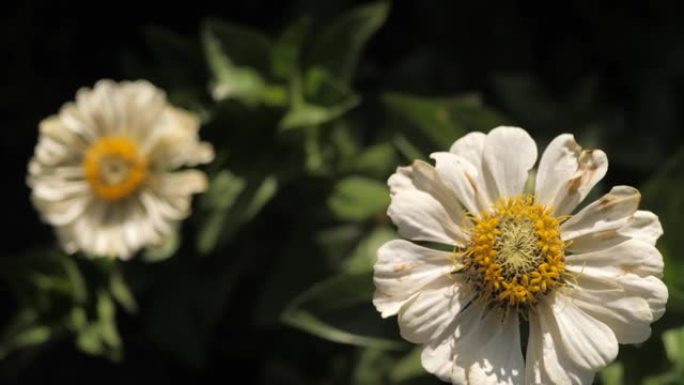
point(513, 254)
point(104, 172)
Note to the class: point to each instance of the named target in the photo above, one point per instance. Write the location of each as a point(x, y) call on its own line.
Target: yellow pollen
point(515, 254)
point(114, 167)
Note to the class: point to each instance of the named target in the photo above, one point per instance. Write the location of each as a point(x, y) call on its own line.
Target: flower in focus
point(104, 172)
point(513, 254)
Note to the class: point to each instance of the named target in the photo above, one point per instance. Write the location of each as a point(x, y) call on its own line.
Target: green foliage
point(276, 261)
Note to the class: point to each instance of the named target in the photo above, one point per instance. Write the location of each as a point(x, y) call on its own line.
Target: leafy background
point(311, 106)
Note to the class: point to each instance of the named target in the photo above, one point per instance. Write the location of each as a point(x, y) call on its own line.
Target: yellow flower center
point(114, 167)
point(515, 254)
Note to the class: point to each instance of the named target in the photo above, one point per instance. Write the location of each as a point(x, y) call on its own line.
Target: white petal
point(470, 147)
point(589, 343)
point(402, 269)
point(449, 357)
point(62, 212)
point(53, 128)
point(644, 226)
point(430, 312)
point(184, 182)
point(509, 154)
point(631, 256)
point(422, 208)
point(115, 230)
point(500, 359)
point(174, 141)
point(567, 173)
point(610, 212)
point(628, 316)
point(463, 179)
point(650, 288)
point(546, 361)
point(101, 109)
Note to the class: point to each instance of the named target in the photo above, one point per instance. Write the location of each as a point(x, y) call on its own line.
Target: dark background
point(618, 66)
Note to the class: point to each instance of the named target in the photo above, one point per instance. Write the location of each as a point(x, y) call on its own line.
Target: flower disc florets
point(515, 254)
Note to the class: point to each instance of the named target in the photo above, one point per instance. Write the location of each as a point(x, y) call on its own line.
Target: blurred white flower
point(104, 170)
point(583, 282)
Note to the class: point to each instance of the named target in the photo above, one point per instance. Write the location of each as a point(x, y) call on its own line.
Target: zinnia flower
point(517, 256)
point(103, 170)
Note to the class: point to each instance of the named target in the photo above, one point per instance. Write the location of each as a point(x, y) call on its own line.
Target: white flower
point(103, 170)
point(583, 282)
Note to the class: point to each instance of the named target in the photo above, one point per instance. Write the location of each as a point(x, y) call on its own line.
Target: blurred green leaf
point(166, 250)
point(286, 52)
point(372, 367)
point(613, 374)
point(409, 151)
point(230, 202)
point(23, 331)
point(378, 161)
point(219, 198)
point(238, 58)
point(317, 99)
point(120, 291)
point(364, 255)
point(313, 115)
point(441, 120)
point(662, 194)
point(337, 48)
point(408, 367)
point(101, 337)
point(308, 311)
point(357, 198)
point(673, 340)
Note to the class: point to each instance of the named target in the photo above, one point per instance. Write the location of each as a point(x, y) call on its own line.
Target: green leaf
point(335, 300)
point(357, 198)
point(372, 367)
point(673, 340)
point(100, 336)
point(408, 367)
point(238, 58)
point(287, 49)
point(317, 99)
point(440, 120)
point(230, 202)
point(22, 332)
point(313, 115)
point(120, 291)
point(378, 161)
point(662, 194)
point(220, 197)
point(337, 48)
point(166, 250)
point(613, 374)
point(364, 254)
